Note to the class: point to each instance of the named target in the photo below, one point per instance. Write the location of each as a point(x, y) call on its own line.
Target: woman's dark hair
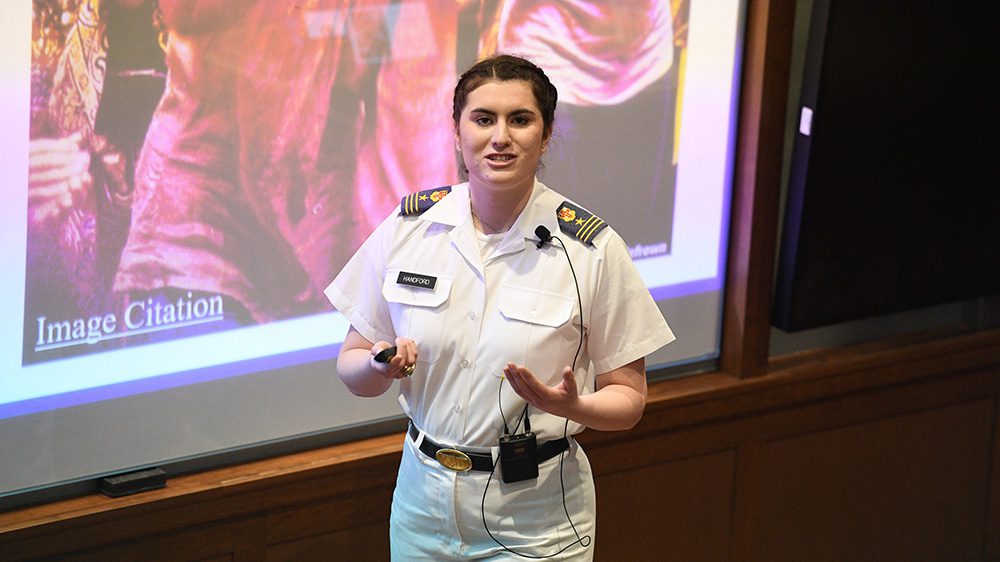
point(501, 68)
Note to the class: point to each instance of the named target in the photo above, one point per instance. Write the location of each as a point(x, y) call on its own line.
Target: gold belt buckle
point(454, 459)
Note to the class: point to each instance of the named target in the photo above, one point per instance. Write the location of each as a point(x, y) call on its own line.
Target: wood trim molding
point(756, 188)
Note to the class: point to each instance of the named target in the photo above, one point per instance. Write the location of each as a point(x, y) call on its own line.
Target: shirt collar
point(541, 208)
point(540, 211)
point(453, 210)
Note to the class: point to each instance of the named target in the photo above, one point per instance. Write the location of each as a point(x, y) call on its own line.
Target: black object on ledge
point(133, 482)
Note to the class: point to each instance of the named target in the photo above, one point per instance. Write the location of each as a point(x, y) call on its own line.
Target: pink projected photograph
point(203, 166)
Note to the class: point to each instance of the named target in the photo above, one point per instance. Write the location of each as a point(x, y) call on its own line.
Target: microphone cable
point(585, 540)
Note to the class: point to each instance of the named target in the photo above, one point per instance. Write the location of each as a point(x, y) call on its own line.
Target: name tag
point(416, 280)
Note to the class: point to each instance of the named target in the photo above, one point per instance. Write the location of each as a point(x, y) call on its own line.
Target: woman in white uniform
point(502, 300)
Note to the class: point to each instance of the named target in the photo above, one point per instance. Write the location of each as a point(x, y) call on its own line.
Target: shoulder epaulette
point(579, 222)
point(417, 203)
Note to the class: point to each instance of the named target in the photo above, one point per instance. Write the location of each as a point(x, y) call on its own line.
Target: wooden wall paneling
point(94, 521)
point(332, 518)
point(674, 511)
point(921, 376)
point(756, 187)
point(992, 542)
point(239, 540)
point(748, 490)
point(368, 542)
point(910, 487)
point(631, 452)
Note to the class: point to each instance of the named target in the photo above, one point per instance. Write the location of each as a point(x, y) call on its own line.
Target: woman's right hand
point(363, 375)
point(400, 365)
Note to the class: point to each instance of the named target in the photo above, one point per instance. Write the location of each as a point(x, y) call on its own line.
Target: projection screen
point(182, 179)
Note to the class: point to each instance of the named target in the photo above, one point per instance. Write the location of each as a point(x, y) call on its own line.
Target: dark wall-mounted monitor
point(893, 196)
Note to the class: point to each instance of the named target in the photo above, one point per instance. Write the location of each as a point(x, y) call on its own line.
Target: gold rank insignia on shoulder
point(579, 222)
point(417, 203)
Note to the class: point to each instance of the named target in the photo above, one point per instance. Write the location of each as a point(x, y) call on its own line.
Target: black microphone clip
point(543, 234)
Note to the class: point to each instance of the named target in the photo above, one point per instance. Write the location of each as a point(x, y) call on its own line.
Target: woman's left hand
point(617, 403)
point(559, 400)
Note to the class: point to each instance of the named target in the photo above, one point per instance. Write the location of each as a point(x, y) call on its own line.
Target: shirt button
point(472, 316)
point(465, 363)
point(457, 408)
point(317, 209)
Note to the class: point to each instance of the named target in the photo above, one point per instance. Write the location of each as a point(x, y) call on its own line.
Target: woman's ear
point(545, 141)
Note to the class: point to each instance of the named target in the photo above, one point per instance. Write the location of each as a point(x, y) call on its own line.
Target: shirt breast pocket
point(418, 313)
point(539, 330)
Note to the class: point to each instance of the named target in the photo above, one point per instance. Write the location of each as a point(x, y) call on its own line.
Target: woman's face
point(501, 135)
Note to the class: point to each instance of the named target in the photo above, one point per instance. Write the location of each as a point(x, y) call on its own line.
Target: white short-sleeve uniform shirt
point(518, 304)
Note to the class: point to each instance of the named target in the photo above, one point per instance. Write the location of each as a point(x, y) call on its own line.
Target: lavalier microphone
point(543, 234)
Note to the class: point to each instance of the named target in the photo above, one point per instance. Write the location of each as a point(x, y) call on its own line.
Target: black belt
point(479, 461)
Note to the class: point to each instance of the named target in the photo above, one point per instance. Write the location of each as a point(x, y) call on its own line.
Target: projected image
point(199, 167)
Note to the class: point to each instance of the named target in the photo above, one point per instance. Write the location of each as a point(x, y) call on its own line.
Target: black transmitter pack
point(518, 457)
